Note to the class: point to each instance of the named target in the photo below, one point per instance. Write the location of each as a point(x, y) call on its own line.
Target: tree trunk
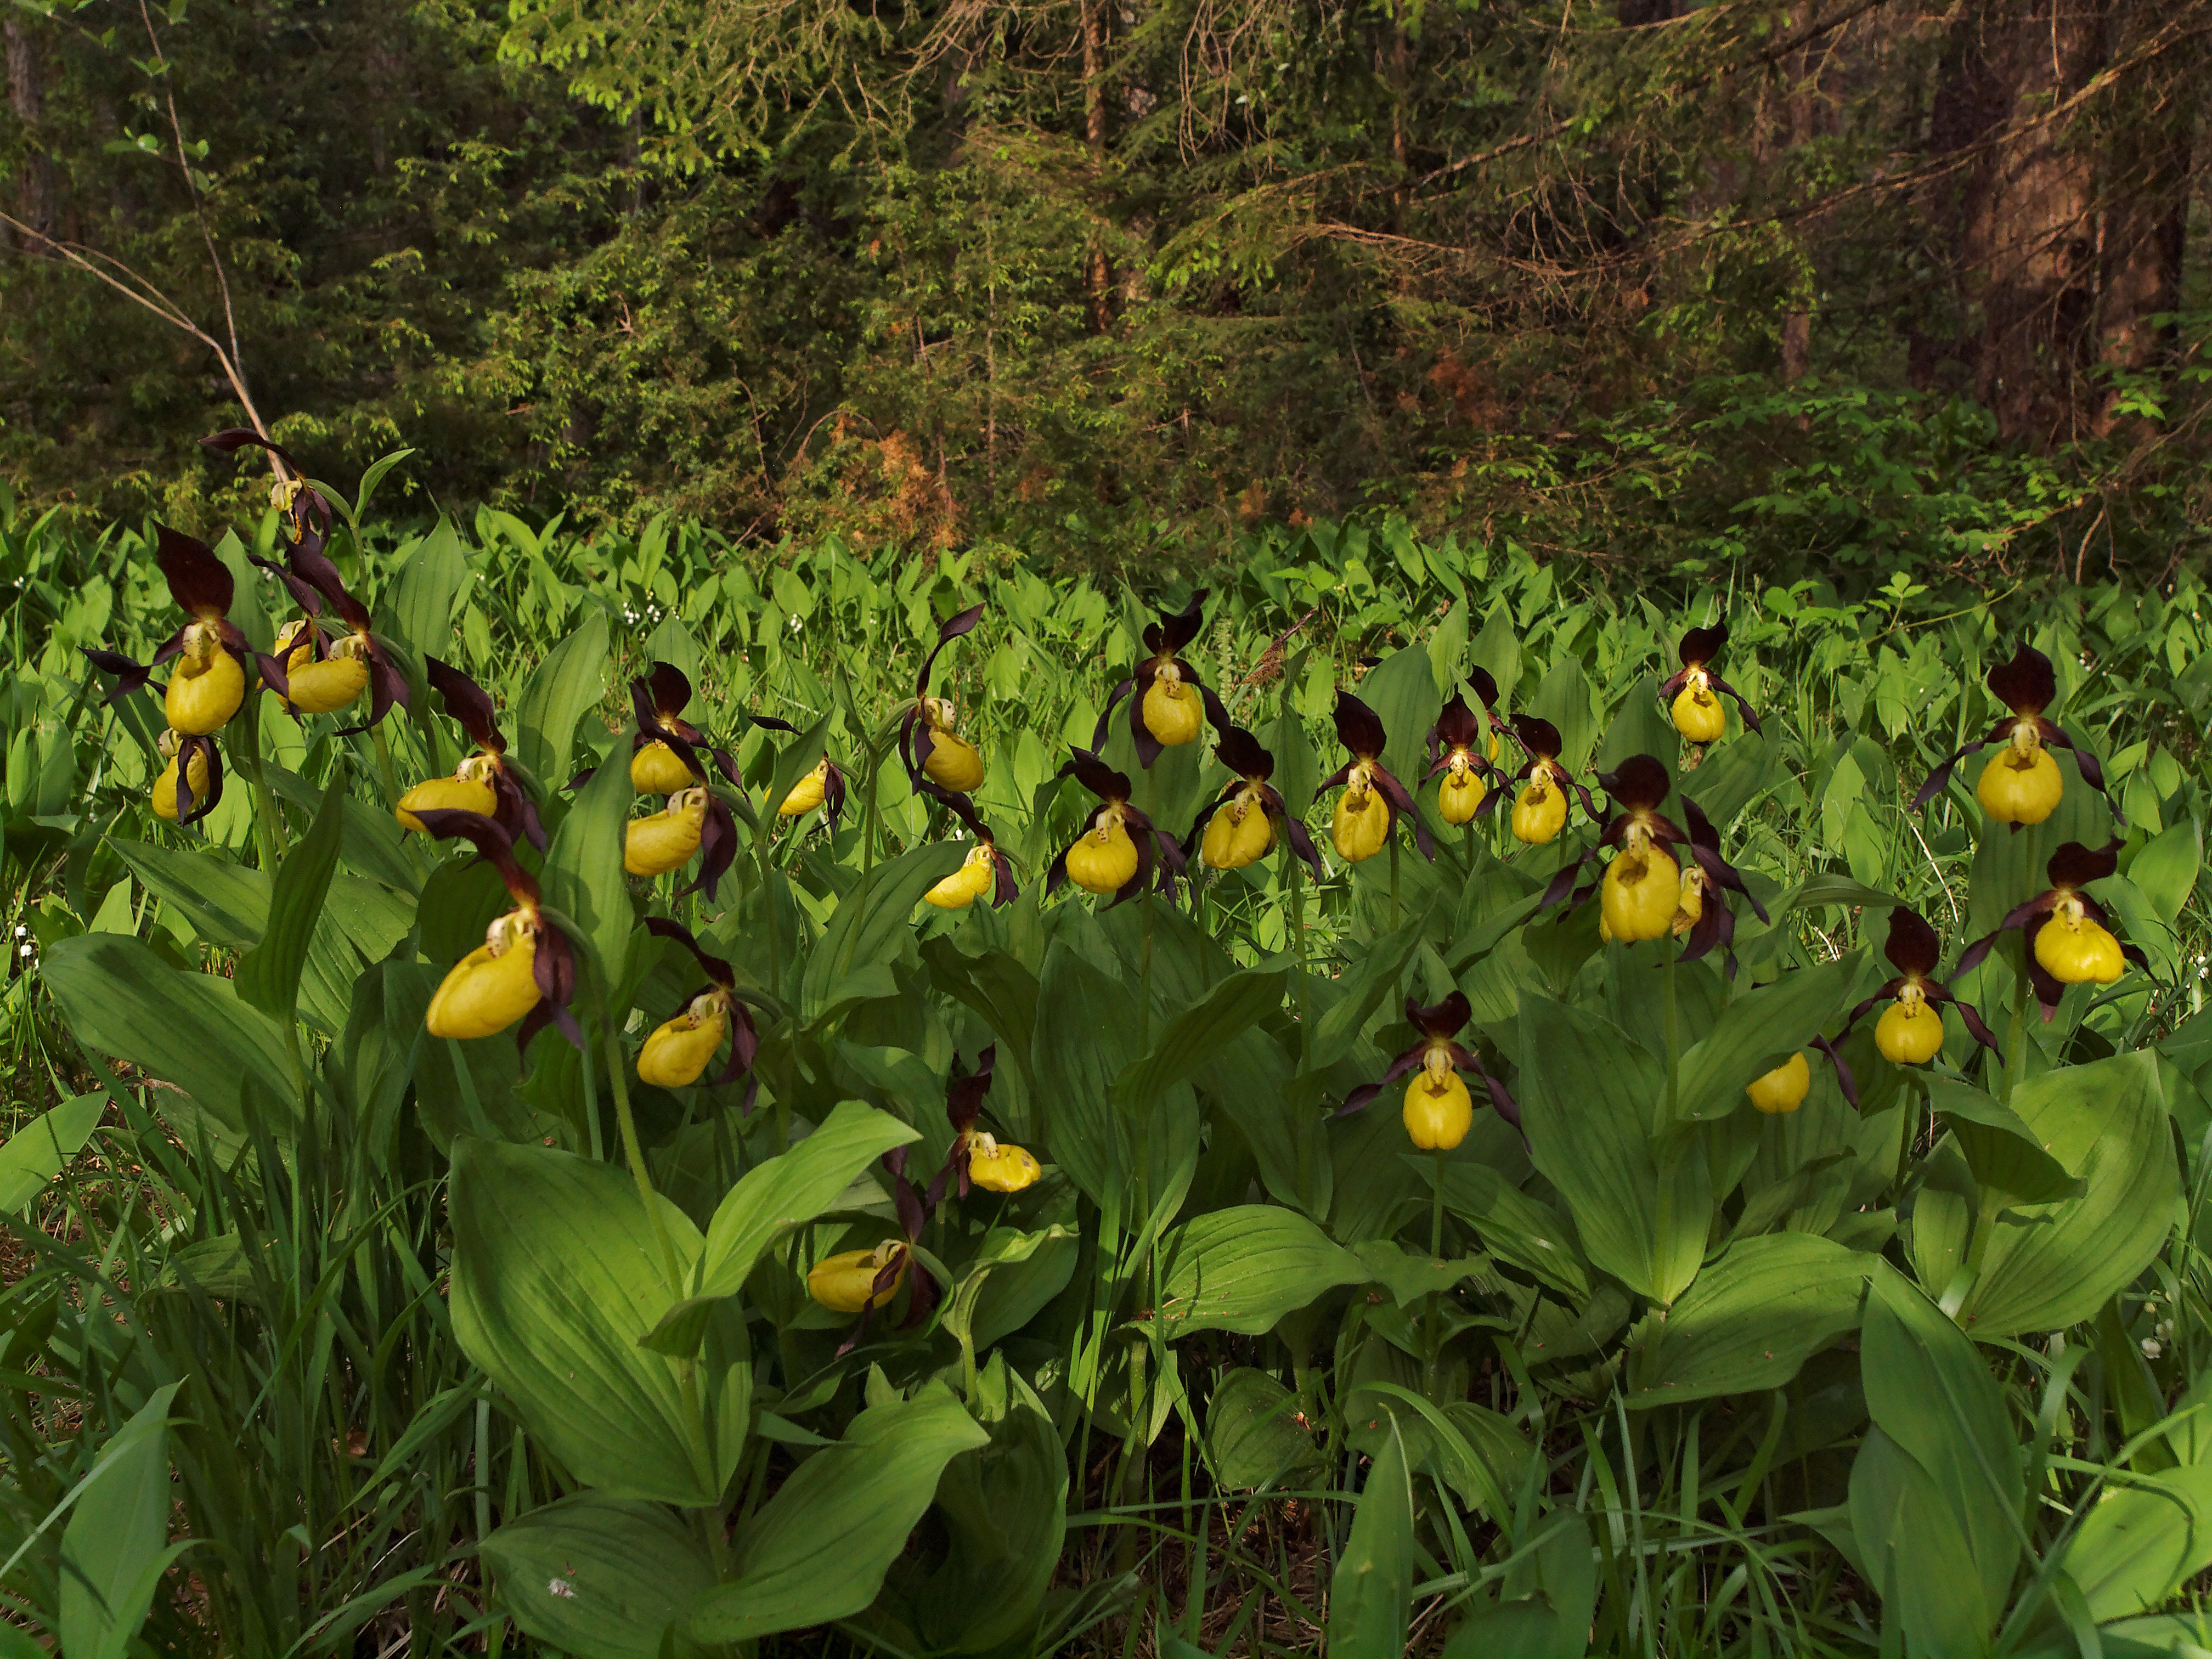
point(2146, 217)
point(2022, 212)
point(1098, 278)
point(26, 101)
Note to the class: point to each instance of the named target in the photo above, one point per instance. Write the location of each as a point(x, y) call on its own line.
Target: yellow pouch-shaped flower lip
point(678, 1051)
point(2077, 951)
point(1104, 859)
point(445, 794)
point(970, 881)
point(1699, 714)
point(1360, 825)
point(657, 770)
point(1784, 1088)
point(1909, 1033)
point(1640, 893)
point(484, 993)
point(665, 841)
point(1174, 713)
point(952, 762)
point(1458, 796)
point(1539, 812)
point(201, 700)
point(2020, 788)
point(998, 1166)
point(1438, 1111)
point(165, 786)
point(846, 1282)
point(807, 793)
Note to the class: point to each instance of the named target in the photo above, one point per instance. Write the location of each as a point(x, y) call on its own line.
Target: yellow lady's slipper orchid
point(1539, 812)
point(1458, 796)
point(1104, 859)
point(1909, 1032)
point(1360, 826)
point(999, 1166)
point(952, 762)
point(845, 1283)
point(1439, 1110)
point(1174, 713)
point(492, 987)
point(1784, 1088)
point(1690, 903)
point(665, 841)
point(1698, 713)
point(678, 1049)
point(1240, 833)
point(808, 793)
point(2076, 951)
point(2020, 783)
point(326, 685)
point(1641, 891)
point(466, 790)
point(207, 687)
point(165, 786)
point(977, 875)
point(657, 770)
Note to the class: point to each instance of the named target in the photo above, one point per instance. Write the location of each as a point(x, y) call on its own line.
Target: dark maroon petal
point(1742, 707)
point(2092, 770)
point(198, 581)
point(1720, 872)
point(650, 725)
point(904, 1196)
point(1243, 754)
point(2073, 865)
point(1217, 712)
point(1094, 775)
point(232, 438)
point(1715, 927)
point(130, 675)
point(1402, 805)
point(1441, 1019)
point(514, 812)
point(1148, 747)
point(467, 703)
point(1302, 843)
point(1642, 781)
point(1004, 892)
point(273, 676)
point(670, 689)
point(1844, 1080)
point(489, 841)
point(833, 794)
point(305, 594)
point(1366, 1092)
point(1912, 946)
point(189, 810)
point(716, 968)
point(1564, 883)
point(1122, 688)
point(1457, 727)
point(1539, 737)
point(1941, 777)
point(2026, 684)
point(1359, 728)
point(744, 1046)
point(949, 630)
point(1055, 873)
point(1486, 688)
point(309, 563)
point(718, 849)
point(553, 965)
point(1178, 628)
point(1702, 645)
point(963, 1096)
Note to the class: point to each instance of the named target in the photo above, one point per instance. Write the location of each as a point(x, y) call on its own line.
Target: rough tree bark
point(1098, 277)
point(2145, 187)
point(27, 100)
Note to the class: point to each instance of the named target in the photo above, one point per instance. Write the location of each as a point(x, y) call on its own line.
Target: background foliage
point(1645, 281)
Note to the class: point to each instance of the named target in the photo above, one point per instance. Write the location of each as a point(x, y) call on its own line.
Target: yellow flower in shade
point(1784, 1088)
point(1640, 893)
point(665, 841)
point(1373, 799)
point(1453, 755)
point(1696, 691)
point(1910, 1030)
point(1690, 904)
point(2022, 784)
point(808, 793)
point(461, 793)
point(1239, 826)
point(657, 770)
point(324, 685)
point(998, 1166)
point(856, 1281)
point(678, 1049)
point(197, 776)
point(1174, 713)
point(2069, 936)
point(319, 667)
point(206, 687)
point(492, 987)
point(927, 742)
point(952, 762)
point(977, 874)
point(1119, 847)
point(1439, 1110)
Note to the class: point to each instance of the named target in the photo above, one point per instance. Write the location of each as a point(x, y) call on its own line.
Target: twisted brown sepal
point(131, 674)
point(1458, 727)
point(1715, 923)
point(1164, 639)
point(1359, 729)
point(313, 511)
point(2069, 870)
point(1440, 1022)
point(915, 738)
point(745, 1040)
point(1638, 789)
point(718, 849)
point(386, 685)
point(1915, 951)
point(1157, 850)
point(190, 809)
point(1244, 755)
point(1004, 889)
point(2027, 685)
point(1541, 742)
point(198, 581)
point(963, 1104)
point(1700, 649)
point(471, 706)
point(553, 960)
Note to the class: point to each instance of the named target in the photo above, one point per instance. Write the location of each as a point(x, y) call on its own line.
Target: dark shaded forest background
point(1859, 286)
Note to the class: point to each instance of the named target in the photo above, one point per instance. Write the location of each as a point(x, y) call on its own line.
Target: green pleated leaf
point(35, 1153)
point(584, 878)
point(1760, 1030)
point(2140, 1542)
point(1371, 1593)
point(600, 1576)
point(269, 975)
point(1750, 1320)
point(572, 678)
point(870, 921)
point(1242, 1268)
point(819, 1549)
point(226, 902)
point(116, 1545)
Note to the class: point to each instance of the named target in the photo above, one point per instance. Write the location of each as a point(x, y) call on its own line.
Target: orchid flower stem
point(2018, 1036)
point(1144, 980)
point(1674, 950)
point(1397, 912)
point(268, 830)
point(1433, 1319)
point(1298, 923)
point(392, 793)
point(635, 1152)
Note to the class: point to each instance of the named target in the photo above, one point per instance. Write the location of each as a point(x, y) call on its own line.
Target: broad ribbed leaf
point(603, 1575)
point(35, 1153)
point(1760, 1030)
point(1242, 1268)
point(874, 918)
point(584, 878)
point(1750, 1320)
point(2140, 1542)
point(572, 678)
point(1369, 1592)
